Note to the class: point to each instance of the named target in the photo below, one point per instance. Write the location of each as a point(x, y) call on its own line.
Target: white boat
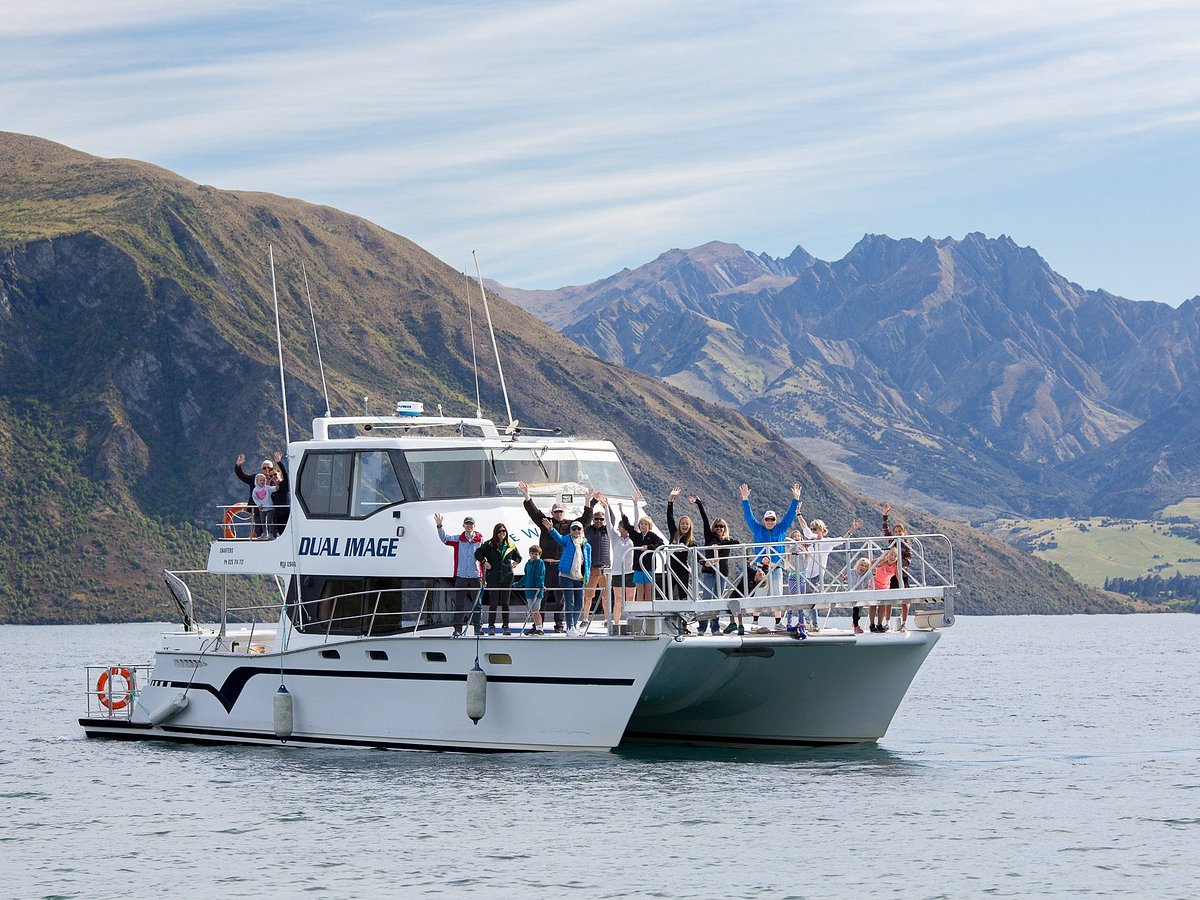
point(340, 631)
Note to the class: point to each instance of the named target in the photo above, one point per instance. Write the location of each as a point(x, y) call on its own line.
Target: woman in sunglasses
point(499, 556)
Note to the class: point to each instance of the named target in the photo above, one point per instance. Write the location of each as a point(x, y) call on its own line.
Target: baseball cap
point(468, 521)
point(770, 514)
point(557, 507)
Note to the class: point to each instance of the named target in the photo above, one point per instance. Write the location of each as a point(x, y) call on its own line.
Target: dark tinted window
point(325, 483)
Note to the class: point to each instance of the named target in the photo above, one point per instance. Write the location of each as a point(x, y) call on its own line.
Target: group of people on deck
point(270, 496)
point(601, 560)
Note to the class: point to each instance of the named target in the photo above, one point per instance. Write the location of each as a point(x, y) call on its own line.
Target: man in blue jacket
point(771, 531)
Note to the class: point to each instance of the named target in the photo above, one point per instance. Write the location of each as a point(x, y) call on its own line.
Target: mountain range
point(965, 375)
point(138, 358)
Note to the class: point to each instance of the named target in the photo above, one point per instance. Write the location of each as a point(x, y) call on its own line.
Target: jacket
point(502, 560)
point(567, 550)
point(642, 543)
point(459, 542)
point(761, 534)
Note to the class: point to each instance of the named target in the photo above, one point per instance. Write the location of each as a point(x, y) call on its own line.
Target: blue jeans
point(710, 589)
point(572, 590)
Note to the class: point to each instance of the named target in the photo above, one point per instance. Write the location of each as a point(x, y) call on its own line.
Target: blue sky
point(563, 141)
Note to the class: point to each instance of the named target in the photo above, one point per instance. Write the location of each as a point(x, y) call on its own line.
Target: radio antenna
point(316, 340)
point(492, 331)
point(474, 363)
point(287, 433)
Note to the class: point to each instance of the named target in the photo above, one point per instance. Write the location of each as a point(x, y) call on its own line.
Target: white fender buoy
point(283, 714)
point(476, 693)
point(169, 710)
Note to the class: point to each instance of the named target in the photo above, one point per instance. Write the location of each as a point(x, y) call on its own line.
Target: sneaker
point(779, 626)
point(505, 631)
point(902, 627)
point(583, 626)
point(458, 632)
point(858, 629)
point(741, 630)
point(535, 632)
point(491, 631)
point(558, 629)
point(732, 627)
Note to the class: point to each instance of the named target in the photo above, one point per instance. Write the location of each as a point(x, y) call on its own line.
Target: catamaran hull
point(781, 691)
point(562, 694)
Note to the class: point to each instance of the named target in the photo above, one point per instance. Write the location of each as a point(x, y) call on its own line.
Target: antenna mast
point(492, 331)
point(474, 363)
point(287, 433)
point(316, 340)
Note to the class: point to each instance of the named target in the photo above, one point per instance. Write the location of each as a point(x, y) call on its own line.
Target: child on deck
point(534, 582)
point(262, 505)
point(860, 580)
point(885, 570)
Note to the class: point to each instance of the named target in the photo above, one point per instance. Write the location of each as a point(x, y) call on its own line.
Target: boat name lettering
point(367, 546)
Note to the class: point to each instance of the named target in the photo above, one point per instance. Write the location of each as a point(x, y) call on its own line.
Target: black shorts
point(622, 581)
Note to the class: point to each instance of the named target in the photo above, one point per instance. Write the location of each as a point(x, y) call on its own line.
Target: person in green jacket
point(499, 557)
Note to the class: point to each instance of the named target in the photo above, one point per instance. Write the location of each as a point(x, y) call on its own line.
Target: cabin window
point(325, 484)
point(375, 483)
point(347, 485)
point(456, 473)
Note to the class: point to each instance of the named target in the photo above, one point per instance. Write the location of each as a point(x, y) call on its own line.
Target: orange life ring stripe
point(232, 515)
point(102, 692)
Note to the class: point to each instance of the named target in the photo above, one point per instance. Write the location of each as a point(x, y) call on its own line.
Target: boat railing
point(796, 574)
point(237, 522)
point(685, 583)
point(113, 690)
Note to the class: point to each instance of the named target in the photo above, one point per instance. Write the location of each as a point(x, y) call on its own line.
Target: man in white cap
point(771, 532)
point(467, 572)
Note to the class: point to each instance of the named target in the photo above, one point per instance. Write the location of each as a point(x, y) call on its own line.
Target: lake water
point(1032, 756)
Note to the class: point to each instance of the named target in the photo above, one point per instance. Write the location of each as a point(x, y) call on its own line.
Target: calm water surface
point(1032, 756)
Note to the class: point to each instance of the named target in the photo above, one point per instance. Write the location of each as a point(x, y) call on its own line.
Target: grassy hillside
point(137, 360)
point(1093, 550)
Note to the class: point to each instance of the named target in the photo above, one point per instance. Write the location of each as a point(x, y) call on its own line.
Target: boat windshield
point(480, 472)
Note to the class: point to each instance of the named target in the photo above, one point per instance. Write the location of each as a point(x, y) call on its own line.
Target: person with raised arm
point(684, 535)
point(595, 529)
point(268, 469)
point(714, 565)
point(551, 551)
point(621, 573)
point(574, 565)
point(645, 541)
point(467, 580)
point(816, 573)
point(903, 576)
point(771, 533)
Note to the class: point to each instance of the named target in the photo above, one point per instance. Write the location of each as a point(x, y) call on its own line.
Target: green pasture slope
point(1095, 549)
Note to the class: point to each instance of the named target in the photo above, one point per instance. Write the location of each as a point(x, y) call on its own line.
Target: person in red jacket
point(466, 570)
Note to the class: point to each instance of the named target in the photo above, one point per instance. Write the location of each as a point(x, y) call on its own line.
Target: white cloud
point(548, 128)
